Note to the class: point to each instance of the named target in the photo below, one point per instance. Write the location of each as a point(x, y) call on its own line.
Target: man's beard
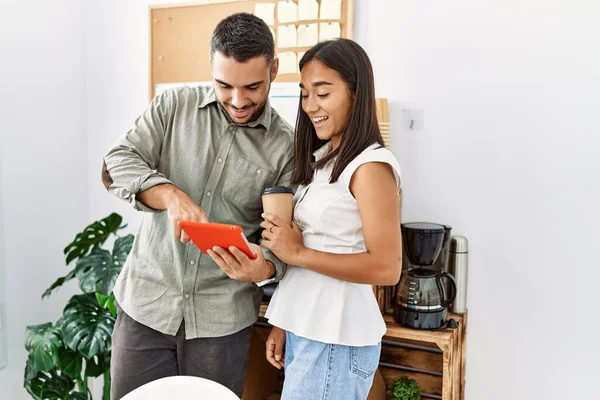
point(258, 110)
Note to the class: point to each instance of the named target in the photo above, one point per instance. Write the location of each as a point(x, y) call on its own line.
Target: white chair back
point(181, 388)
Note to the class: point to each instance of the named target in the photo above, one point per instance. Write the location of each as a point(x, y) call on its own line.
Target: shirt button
point(258, 171)
point(220, 160)
point(208, 194)
point(192, 262)
point(187, 296)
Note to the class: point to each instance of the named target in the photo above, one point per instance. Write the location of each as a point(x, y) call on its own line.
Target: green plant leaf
point(77, 396)
point(86, 326)
point(30, 371)
point(97, 366)
point(404, 388)
point(92, 236)
point(112, 307)
point(43, 343)
point(102, 299)
point(70, 362)
point(122, 248)
point(107, 302)
point(49, 385)
point(58, 283)
point(57, 352)
point(33, 385)
point(58, 387)
point(98, 271)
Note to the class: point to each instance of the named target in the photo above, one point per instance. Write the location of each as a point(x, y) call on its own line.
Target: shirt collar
point(322, 152)
point(264, 119)
point(210, 98)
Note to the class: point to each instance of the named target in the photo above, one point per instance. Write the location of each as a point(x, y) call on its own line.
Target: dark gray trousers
point(141, 355)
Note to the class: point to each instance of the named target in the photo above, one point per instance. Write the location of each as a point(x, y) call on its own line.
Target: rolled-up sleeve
point(280, 266)
point(132, 162)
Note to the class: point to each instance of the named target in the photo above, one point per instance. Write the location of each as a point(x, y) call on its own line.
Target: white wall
point(508, 90)
point(43, 155)
point(509, 157)
point(116, 76)
point(3, 326)
point(116, 58)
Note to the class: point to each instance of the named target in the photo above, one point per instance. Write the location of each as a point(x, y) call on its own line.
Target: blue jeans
point(321, 371)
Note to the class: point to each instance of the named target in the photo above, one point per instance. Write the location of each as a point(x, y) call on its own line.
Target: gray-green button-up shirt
point(187, 139)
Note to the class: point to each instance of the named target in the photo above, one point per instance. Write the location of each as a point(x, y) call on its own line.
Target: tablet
point(207, 235)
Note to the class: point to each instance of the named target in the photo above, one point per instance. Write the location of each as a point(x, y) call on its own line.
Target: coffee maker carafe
point(422, 298)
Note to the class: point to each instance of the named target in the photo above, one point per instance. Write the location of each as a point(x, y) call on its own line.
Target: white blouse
point(315, 306)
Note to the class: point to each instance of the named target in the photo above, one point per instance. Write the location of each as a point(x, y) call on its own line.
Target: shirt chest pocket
point(244, 184)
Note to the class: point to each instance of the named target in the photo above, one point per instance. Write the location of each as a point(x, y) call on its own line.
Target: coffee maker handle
point(448, 300)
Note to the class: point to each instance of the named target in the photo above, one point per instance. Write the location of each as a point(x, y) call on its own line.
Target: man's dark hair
point(243, 36)
point(352, 63)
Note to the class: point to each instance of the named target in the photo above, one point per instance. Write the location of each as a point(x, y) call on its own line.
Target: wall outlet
point(412, 119)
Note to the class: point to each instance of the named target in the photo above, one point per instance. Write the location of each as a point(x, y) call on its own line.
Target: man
point(200, 154)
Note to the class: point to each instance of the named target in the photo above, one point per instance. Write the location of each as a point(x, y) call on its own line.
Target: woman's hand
point(282, 239)
point(274, 346)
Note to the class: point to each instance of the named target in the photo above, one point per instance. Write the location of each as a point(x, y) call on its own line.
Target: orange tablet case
point(207, 235)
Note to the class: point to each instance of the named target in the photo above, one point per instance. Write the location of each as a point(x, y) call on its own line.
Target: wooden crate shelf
point(435, 359)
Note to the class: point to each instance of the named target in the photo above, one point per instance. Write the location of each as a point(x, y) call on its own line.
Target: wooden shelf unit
point(435, 359)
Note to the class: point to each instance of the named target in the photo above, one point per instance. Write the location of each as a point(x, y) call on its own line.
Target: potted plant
point(65, 354)
point(404, 388)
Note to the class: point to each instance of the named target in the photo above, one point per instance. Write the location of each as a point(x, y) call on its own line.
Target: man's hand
point(274, 347)
point(237, 265)
point(179, 206)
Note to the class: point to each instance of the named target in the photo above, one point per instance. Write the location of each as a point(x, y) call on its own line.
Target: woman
point(346, 235)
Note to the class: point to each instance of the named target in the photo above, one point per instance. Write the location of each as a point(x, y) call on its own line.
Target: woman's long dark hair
point(352, 63)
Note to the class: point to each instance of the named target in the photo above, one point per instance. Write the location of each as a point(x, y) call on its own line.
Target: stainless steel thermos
point(458, 267)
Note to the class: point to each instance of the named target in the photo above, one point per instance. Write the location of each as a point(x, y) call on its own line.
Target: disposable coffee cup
point(278, 200)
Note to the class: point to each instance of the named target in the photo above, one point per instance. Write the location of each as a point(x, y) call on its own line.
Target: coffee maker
point(442, 262)
point(424, 293)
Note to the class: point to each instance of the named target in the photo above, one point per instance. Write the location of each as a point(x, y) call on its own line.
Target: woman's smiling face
point(326, 100)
